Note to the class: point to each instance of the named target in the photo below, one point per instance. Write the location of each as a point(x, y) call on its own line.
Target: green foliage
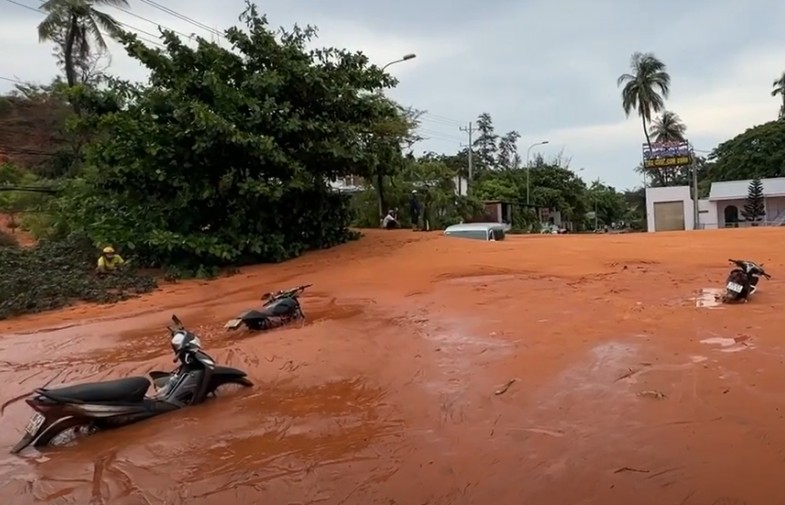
point(433, 179)
point(55, 274)
point(755, 207)
point(645, 88)
point(609, 205)
point(758, 152)
point(14, 202)
point(224, 157)
point(551, 186)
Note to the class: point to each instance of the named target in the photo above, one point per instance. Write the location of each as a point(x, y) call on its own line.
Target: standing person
point(426, 210)
point(414, 209)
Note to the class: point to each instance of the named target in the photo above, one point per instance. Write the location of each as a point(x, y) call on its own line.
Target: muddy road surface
point(538, 370)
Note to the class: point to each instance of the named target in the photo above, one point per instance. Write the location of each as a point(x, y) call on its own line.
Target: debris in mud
point(658, 395)
point(628, 374)
point(710, 298)
point(733, 344)
point(504, 388)
point(630, 469)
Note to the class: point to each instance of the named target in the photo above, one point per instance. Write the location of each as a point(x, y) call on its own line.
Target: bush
point(56, 273)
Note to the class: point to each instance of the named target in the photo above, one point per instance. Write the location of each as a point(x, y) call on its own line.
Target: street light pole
point(406, 57)
point(528, 168)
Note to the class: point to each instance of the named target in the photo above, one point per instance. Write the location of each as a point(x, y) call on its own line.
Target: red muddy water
point(537, 370)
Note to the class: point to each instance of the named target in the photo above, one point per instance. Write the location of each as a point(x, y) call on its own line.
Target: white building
point(354, 184)
point(672, 208)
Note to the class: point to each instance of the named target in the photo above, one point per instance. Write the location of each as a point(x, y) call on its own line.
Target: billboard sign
point(667, 154)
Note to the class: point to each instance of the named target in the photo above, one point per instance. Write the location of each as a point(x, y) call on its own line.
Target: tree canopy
point(225, 156)
point(758, 152)
point(645, 88)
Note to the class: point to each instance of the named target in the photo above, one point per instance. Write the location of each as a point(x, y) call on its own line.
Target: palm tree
point(645, 89)
point(77, 25)
point(779, 89)
point(668, 128)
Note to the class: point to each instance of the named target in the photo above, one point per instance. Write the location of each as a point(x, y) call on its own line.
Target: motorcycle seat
point(128, 390)
point(257, 314)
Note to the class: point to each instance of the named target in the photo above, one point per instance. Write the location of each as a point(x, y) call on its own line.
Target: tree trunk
point(380, 193)
point(646, 132)
point(68, 52)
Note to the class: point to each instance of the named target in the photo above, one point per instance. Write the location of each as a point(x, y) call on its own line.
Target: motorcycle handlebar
point(285, 292)
point(742, 263)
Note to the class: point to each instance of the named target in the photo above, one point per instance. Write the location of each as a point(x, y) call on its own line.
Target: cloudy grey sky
point(545, 68)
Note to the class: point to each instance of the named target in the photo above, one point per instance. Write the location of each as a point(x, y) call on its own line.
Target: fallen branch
point(630, 469)
point(504, 388)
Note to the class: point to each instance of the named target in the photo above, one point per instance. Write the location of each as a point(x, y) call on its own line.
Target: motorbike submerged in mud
point(280, 308)
point(742, 280)
point(111, 404)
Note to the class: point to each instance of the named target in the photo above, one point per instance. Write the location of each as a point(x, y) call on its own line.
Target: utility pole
point(695, 207)
point(469, 130)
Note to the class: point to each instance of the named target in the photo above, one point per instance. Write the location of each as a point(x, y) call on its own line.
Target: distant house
point(355, 184)
point(348, 184)
point(672, 208)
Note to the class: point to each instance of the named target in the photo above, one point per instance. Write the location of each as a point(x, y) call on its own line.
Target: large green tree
point(225, 155)
point(485, 145)
point(645, 88)
point(608, 204)
point(76, 25)
point(508, 157)
point(758, 152)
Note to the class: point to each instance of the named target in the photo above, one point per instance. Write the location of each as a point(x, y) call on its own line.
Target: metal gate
point(669, 216)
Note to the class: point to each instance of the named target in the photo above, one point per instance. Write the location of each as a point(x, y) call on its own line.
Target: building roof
point(737, 190)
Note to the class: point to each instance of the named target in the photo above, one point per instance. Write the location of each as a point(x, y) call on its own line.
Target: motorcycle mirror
point(266, 296)
point(176, 320)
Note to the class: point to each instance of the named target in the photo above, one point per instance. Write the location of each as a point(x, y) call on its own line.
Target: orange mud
point(387, 395)
point(24, 238)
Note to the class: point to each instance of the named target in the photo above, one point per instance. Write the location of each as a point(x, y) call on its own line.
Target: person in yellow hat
point(109, 260)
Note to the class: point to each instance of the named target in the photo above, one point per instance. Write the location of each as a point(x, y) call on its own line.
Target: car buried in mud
point(477, 231)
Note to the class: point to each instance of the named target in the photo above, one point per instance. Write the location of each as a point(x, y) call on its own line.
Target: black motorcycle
point(280, 308)
point(110, 404)
point(742, 280)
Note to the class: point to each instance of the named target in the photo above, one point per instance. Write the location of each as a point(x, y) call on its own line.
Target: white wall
point(723, 204)
point(707, 216)
point(670, 194)
point(775, 208)
point(460, 184)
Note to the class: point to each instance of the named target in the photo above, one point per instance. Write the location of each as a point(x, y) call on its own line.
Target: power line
point(436, 133)
point(182, 17)
point(127, 11)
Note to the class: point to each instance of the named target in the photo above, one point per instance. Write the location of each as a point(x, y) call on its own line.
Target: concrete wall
point(671, 194)
point(707, 215)
point(775, 208)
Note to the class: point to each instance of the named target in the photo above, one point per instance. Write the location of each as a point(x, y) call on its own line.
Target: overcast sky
point(545, 68)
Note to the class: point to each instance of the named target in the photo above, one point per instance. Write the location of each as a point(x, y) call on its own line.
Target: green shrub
point(56, 273)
